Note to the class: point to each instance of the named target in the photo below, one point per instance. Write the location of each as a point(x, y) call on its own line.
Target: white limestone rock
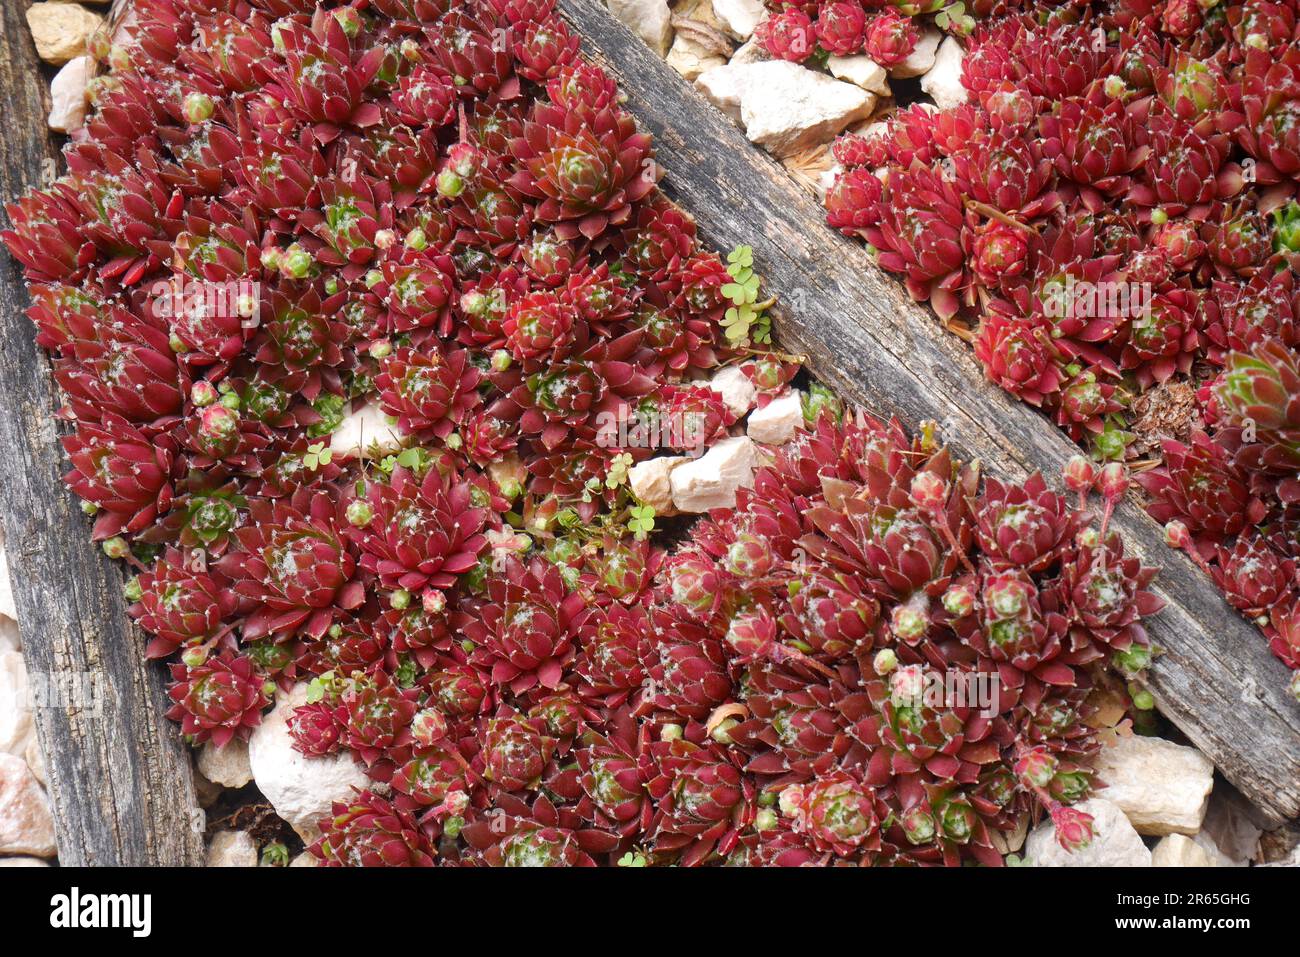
point(739, 17)
point(1179, 850)
point(786, 108)
point(861, 70)
point(690, 59)
point(23, 862)
point(736, 389)
point(1229, 834)
point(10, 639)
point(651, 20)
point(943, 81)
point(26, 825)
point(776, 422)
point(711, 480)
point(301, 789)
point(751, 51)
point(232, 849)
point(1114, 842)
point(227, 766)
point(721, 86)
point(921, 59)
point(1163, 787)
point(68, 96)
point(305, 859)
point(365, 431)
point(15, 715)
point(60, 30)
point(651, 482)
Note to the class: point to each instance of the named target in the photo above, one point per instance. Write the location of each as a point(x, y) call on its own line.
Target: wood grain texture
point(1217, 681)
point(119, 775)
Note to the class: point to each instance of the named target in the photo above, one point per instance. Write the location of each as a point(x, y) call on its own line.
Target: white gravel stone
point(23, 862)
point(650, 482)
point(651, 20)
point(1229, 834)
point(786, 108)
point(783, 106)
point(232, 849)
point(736, 388)
point(690, 59)
point(365, 431)
point(60, 30)
point(26, 826)
point(15, 715)
point(861, 70)
point(751, 51)
point(739, 17)
point(9, 637)
point(1114, 842)
point(776, 422)
point(226, 766)
point(1179, 850)
point(921, 59)
point(943, 81)
point(68, 96)
point(301, 789)
point(721, 86)
point(711, 480)
point(1163, 787)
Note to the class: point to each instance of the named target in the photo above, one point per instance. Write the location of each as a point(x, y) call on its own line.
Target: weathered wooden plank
point(119, 775)
point(1217, 681)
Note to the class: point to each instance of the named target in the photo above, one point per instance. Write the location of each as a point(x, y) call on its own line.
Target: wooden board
point(1218, 681)
point(119, 775)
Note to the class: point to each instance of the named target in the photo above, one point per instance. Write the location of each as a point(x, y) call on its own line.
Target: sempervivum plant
point(1112, 212)
point(361, 309)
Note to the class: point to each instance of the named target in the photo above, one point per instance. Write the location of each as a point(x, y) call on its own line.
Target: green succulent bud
point(197, 108)
point(296, 263)
point(132, 591)
point(400, 599)
point(88, 507)
point(194, 656)
point(1159, 217)
point(885, 661)
point(765, 820)
point(1134, 661)
point(450, 184)
point(359, 513)
point(381, 349)
point(416, 239)
point(671, 732)
point(116, 547)
point(1286, 228)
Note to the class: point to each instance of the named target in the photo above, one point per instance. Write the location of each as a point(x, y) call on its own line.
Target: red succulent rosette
point(586, 170)
point(219, 700)
point(531, 629)
point(423, 534)
point(368, 831)
point(293, 560)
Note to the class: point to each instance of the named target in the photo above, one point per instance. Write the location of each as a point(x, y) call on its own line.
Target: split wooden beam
point(119, 774)
point(1217, 680)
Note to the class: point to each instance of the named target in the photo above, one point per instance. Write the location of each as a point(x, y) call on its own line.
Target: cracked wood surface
point(119, 777)
point(1217, 681)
